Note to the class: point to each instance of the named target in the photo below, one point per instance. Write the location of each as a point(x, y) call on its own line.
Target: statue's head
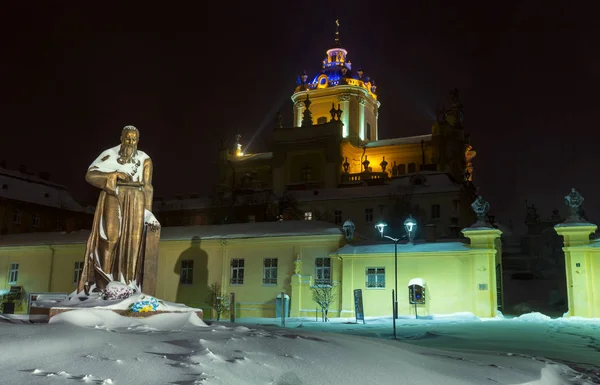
point(130, 137)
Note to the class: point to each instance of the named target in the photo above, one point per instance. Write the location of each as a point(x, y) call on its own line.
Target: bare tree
point(216, 299)
point(324, 295)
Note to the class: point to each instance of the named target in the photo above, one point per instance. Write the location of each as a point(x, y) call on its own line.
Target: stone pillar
point(344, 101)
point(296, 284)
point(361, 117)
point(151, 262)
point(347, 289)
point(582, 265)
point(484, 260)
point(298, 108)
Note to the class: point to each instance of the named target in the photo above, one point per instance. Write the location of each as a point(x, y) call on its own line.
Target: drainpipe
point(53, 252)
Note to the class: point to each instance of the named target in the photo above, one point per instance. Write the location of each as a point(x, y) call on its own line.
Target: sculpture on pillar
point(115, 250)
point(307, 114)
point(481, 208)
point(297, 265)
point(574, 201)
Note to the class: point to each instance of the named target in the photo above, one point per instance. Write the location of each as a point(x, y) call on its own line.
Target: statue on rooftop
point(115, 250)
point(574, 201)
point(481, 208)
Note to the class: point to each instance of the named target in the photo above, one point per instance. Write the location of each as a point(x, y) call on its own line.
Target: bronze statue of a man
point(115, 248)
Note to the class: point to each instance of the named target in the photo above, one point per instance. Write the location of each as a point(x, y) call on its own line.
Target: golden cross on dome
point(337, 32)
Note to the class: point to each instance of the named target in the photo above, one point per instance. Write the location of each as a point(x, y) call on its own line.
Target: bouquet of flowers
point(145, 305)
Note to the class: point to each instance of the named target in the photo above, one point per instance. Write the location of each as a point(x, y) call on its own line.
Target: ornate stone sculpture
point(383, 164)
point(574, 201)
point(366, 163)
point(346, 165)
point(115, 250)
point(307, 114)
point(481, 208)
point(469, 155)
point(297, 265)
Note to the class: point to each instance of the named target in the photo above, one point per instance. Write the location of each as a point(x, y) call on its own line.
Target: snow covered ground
point(100, 347)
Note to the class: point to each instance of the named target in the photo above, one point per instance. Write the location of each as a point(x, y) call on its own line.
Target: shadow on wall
point(192, 269)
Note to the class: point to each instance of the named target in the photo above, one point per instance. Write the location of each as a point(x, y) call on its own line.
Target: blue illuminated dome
point(336, 70)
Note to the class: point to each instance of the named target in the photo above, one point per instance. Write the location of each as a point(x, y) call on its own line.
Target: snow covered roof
point(32, 189)
point(181, 204)
point(397, 141)
point(435, 182)
point(388, 248)
point(230, 231)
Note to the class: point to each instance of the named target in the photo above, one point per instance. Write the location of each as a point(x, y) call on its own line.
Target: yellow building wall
point(448, 283)
point(33, 274)
point(452, 278)
point(212, 263)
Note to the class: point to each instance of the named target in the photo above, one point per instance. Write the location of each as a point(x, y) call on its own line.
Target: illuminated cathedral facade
point(331, 163)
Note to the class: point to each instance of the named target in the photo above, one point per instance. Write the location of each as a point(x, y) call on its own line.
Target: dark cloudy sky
point(73, 75)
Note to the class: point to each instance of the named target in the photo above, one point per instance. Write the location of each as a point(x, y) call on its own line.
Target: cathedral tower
point(338, 85)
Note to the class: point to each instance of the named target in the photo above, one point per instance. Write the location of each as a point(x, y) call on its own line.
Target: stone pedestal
point(485, 258)
point(151, 263)
point(127, 313)
point(582, 265)
point(296, 301)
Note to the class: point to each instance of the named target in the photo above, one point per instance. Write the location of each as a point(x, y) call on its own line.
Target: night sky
point(73, 75)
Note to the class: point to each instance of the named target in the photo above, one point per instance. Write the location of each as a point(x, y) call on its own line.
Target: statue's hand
point(123, 177)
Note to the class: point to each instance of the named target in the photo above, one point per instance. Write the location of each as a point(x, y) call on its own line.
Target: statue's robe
point(115, 248)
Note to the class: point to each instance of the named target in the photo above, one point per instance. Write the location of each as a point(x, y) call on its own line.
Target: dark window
point(270, 271)
point(322, 271)
point(237, 271)
point(435, 211)
point(187, 272)
point(368, 134)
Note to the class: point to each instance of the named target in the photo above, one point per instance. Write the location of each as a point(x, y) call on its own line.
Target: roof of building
point(183, 203)
point(230, 231)
point(435, 182)
point(397, 141)
point(22, 187)
point(388, 248)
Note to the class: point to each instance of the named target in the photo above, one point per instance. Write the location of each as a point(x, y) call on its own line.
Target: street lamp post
point(411, 225)
point(381, 228)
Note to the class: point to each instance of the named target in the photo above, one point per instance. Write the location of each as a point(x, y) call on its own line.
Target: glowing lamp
point(380, 226)
point(411, 227)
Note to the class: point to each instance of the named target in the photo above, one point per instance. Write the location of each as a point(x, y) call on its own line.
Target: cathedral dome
point(336, 70)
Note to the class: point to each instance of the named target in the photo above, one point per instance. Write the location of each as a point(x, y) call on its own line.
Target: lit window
point(369, 215)
point(435, 211)
point(270, 271)
point(36, 220)
point(375, 277)
point(14, 273)
point(237, 271)
point(17, 217)
point(77, 272)
point(308, 216)
point(322, 271)
point(337, 217)
point(187, 272)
